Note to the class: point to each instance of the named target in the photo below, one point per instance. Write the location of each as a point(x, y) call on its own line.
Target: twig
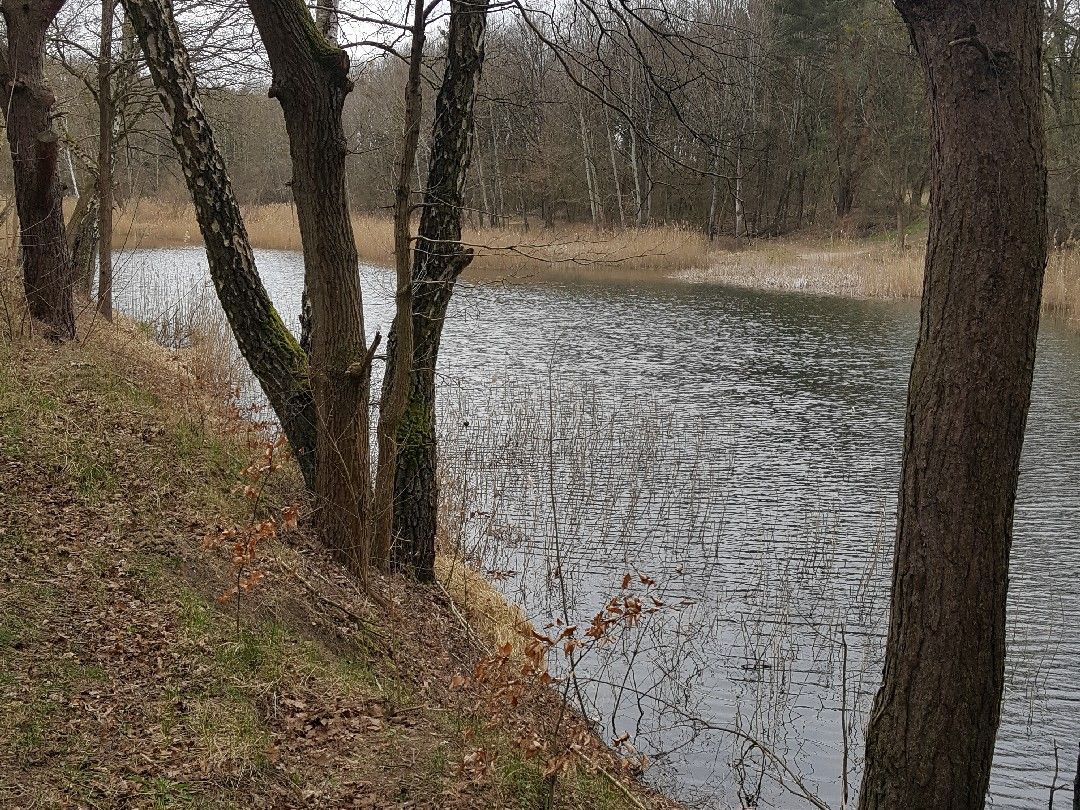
point(353, 617)
point(461, 618)
point(358, 368)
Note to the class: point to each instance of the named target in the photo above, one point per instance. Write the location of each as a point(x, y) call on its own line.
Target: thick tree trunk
point(311, 81)
point(48, 273)
point(326, 19)
point(438, 260)
point(105, 162)
point(931, 736)
point(269, 348)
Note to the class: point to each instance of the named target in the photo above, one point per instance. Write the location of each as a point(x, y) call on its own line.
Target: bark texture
point(105, 161)
point(266, 343)
point(48, 272)
point(438, 260)
point(82, 236)
point(311, 81)
point(395, 389)
point(931, 736)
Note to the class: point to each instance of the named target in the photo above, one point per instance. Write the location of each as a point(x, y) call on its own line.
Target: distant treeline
point(739, 117)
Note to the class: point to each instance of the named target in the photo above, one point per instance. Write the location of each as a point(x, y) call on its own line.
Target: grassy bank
point(512, 251)
point(859, 268)
point(126, 681)
point(865, 268)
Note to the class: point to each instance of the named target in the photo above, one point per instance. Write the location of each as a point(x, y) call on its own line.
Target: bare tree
point(311, 81)
point(269, 348)
point(48, 272)
point(931, 736)
point(438, 259)
point(395, 388)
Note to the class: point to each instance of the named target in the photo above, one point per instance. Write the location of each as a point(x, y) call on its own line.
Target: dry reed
point(512, 251)
point(854, 268)
point(865, 269)
point(868, 268)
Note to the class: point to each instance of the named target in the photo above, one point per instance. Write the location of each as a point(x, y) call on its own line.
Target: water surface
point(742, 449)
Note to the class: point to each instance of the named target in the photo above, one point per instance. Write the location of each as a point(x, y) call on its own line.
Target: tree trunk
point(326, 19)
point(311, 81)
point(438, 260)
point(82, 236)
point(596, 212)
point(48, 273)
point(269, 348)
point(399, 349)
point(614, 162)
point(740, 222)
point(930, 740)
point(714, 186)
point(105, 162)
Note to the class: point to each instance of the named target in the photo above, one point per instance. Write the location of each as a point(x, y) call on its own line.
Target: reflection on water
point(741, 448)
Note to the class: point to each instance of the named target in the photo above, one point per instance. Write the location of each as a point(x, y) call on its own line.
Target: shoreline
point(870, 268)
point(111, 546)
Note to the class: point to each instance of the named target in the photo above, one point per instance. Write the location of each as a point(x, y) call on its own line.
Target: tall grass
point(512, 251)
point(857, 268)
point(185, 316)
point(862, 268)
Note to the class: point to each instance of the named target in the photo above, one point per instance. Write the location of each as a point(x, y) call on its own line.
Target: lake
point(742, 449)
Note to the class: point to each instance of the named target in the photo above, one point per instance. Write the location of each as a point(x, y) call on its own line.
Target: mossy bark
point(438, 259)
point(311, 81)
point(48, 273)
point(267, 345)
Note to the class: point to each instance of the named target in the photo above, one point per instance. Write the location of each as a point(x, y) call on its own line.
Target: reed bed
point(511, 251)
point(866, 268)
point(852, 268)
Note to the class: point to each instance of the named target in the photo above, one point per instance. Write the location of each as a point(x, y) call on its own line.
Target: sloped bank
point(131, 674)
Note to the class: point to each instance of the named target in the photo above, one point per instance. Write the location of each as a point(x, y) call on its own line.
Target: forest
point(535, 404)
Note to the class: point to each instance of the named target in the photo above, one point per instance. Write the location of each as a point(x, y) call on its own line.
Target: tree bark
point(311, 81)
point(82, 236)
point(616, 182)
point(48, 272)
point(269, 348)
point(438, 260)
point(326, 19)
point(105, 162)
point(399, 349)
point(596, 211)
point(930, 740)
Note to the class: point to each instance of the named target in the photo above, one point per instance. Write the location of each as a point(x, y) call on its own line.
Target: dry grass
point(123, 681)
point(854, 268)
point(495, 620)
point(1061, 289)
point(511, 251)
point(865, 269)
point(858, 268)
